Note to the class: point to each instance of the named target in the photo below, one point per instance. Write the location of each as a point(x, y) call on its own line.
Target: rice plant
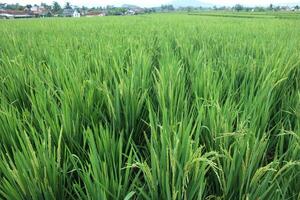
point(169, 106)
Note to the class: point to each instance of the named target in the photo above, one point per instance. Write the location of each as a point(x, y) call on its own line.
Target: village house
point(76, 13)
point(70, 12)
point(36, 10)
point(39, 11)
point(130, 12)
point(96, 14)
point(9, 14)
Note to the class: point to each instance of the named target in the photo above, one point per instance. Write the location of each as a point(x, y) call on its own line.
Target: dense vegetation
point(150, 107)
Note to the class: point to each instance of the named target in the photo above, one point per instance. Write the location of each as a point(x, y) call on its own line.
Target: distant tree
point(92, 9)
point(271, 7)
point(56, 8)
point(277, 8)
point(189, 8)
point(222, 8)
point(260, 9)
point(48, 7)
point(238, 7)
point(171, 8)
point(115, 10)
point(20, 7)
point(296, 7)
point(248, 9)
point(167, 7)
point(14, 7)
point(68, 5)
point(84, 10)
point(149, 10)
point(28, 6)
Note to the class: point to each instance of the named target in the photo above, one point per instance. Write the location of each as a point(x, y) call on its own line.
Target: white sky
point(149, 3)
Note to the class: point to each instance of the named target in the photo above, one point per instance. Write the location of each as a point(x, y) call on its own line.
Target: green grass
point(256, 15)
point(150, 107)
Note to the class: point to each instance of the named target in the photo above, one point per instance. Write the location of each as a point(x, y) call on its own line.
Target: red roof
point(13, 12)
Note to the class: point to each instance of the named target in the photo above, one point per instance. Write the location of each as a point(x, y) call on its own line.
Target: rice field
point(170, 106)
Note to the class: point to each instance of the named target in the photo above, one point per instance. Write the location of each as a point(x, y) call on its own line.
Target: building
point(130, 12)
point(95, 14)
point(39, 11)
point(76, 13)
point(9, 14)
point(70, 12)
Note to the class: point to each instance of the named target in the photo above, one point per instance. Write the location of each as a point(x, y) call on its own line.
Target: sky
point(151, 3)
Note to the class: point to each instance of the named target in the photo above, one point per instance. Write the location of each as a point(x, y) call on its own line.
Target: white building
point(76, 13)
